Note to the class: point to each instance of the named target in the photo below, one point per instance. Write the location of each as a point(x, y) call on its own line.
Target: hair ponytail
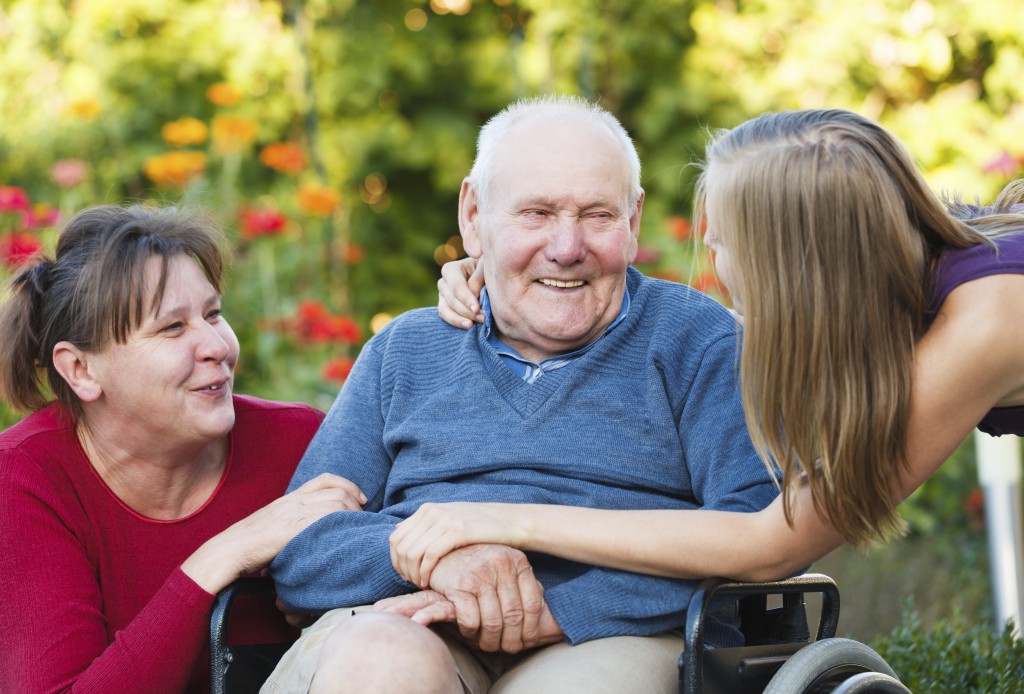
point(20, 358)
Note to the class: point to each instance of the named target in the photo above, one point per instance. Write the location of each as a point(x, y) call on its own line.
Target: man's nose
point(566, 244)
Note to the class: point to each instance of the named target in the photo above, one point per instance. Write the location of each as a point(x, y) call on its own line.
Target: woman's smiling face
point(172, 378)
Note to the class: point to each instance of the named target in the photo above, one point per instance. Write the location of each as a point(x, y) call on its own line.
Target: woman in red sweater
point(147, 485)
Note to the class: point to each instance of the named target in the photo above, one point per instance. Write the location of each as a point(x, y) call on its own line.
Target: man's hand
point(430, 607)
point(494, 598)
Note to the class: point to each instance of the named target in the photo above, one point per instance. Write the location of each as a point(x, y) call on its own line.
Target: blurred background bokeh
point(330, 138)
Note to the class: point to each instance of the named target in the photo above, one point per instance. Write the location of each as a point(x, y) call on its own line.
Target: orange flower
point(223, 94)
point(317, 200)
point(681, 227)
point(232, 133)
point(337, 370)
point(174, 168)
point(86, 108)
point(184, 131)
point(353, 254)
point(708, 282)
point(286, 157)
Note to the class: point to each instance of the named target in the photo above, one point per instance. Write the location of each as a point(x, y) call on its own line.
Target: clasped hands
point(488, 591)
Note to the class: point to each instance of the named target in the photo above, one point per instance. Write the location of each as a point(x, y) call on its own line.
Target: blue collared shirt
point(528, 370)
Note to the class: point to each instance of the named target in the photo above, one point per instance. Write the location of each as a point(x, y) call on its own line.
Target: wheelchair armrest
point(691, 662)
point(220, 657)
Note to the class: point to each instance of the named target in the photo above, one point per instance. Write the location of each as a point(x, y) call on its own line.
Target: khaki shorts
point(616, 665)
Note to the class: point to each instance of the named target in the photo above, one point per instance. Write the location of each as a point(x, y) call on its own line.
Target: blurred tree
point(378, 102)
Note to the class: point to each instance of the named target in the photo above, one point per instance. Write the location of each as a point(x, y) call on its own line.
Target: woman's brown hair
point(832, 232)
point(93, 291)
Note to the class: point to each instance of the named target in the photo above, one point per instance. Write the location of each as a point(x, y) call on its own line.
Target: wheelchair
point(778, 656)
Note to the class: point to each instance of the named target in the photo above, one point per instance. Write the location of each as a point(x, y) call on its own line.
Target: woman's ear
point(469, 213)
point(73, 366)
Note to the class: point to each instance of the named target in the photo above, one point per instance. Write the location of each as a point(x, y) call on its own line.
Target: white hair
point(494, 131)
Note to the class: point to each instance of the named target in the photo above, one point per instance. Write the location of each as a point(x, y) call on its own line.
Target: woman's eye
point(214, 315)
point(172, 327)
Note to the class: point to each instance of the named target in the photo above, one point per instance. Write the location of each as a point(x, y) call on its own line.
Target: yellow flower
point(223, 94)
point(232, 133)
point(317, 200)
point(174, 169)
point(184, 131)
point(86, 108)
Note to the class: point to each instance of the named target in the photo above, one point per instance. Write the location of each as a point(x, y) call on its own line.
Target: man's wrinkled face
point(556, 236)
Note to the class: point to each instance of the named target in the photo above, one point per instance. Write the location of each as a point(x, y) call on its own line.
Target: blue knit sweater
point(650, 418)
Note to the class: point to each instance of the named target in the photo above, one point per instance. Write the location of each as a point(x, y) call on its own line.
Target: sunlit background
point(330, 137)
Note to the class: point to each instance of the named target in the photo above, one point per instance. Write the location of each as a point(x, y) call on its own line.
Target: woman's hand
point(253, 542)
point(458, 292)
point(425, 537)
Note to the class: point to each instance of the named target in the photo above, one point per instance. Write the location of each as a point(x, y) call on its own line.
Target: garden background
point(330, 137)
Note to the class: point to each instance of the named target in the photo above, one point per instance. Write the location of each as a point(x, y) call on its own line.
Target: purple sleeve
point(961, 265)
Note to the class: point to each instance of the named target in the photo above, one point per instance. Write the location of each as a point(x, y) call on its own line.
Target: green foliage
point(384, 98)
point(954, 656)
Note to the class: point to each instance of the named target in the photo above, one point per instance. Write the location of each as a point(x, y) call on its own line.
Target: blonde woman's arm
point(969, 362)
point(458, 292)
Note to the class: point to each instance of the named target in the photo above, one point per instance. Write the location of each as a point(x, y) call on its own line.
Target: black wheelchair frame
point(778, 657)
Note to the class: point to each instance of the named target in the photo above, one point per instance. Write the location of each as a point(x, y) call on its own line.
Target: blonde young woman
point(880, 327)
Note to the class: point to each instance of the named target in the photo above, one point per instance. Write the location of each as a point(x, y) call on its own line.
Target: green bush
point(953, 656)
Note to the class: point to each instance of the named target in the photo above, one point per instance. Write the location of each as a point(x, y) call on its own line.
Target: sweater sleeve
point(344, 559)
point(52, 628)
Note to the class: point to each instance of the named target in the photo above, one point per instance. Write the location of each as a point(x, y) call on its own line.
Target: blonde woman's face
point(720, 253)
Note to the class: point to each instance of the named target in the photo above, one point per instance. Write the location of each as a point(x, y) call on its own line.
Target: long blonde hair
point(832, 232)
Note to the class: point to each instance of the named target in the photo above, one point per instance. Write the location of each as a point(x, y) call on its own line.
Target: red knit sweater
point(92, 598)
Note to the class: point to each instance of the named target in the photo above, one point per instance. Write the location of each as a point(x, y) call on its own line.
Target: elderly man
point(588, 385)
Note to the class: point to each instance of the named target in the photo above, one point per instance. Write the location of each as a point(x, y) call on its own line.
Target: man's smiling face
point(557, 234)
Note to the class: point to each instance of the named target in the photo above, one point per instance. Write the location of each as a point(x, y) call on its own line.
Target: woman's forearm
point(675, 543)
point(681, 544)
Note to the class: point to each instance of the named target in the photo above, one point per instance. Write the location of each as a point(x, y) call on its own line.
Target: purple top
point(958, 266)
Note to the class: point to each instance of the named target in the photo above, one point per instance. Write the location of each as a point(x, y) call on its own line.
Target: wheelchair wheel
point(871, 682)
point(821, 667)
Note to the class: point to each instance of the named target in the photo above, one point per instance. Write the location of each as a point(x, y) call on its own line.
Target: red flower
point(974, 506)
point(13, 199)
point(337, 370)
point(266, 222)
point(314, 323)
point(19, 249)
point(311, 312)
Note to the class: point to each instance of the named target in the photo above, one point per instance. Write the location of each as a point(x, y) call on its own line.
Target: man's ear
point(634, 228)
point(469, 214)
point(73, 366)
